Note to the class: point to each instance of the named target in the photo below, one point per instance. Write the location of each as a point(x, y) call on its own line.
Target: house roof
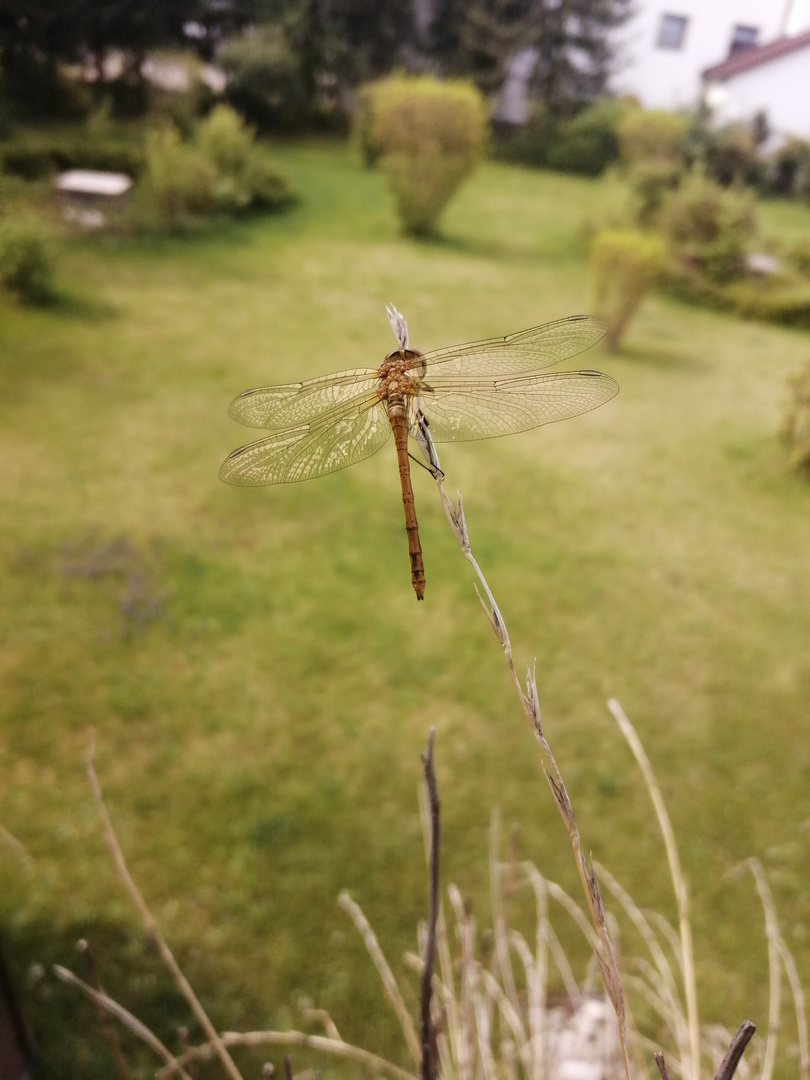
point(757, 55)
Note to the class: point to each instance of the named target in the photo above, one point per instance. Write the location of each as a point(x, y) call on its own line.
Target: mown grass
point(255, 669)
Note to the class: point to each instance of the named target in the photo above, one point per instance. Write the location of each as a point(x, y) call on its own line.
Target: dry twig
point(429, 1066)
point(728, 1066)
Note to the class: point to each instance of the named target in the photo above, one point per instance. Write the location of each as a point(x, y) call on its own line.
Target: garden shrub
point(429, 135)
point(650, 184)
point(624, 265)
point(651, 134)
point(795, 430)
point(179, 179)
point(789, 169)
point(800, 255)
point(709, 226)
point(589, 141)
point(219, 170)
point(730, 155)
point(361, 135)
point(26, 260)
point(34, 155)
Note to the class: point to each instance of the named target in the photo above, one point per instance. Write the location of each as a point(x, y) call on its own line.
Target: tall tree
point(38, 35)
point(575, 50)
point(477, 38)
point(571, 39)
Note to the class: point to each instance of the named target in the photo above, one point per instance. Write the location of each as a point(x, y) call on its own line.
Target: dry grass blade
point(151, 925)
point(678, 883)
point(778, 950)
point(126, 1018)
point(298, 1039)
point(529, 700)
point(11, 842)
point(387, 976)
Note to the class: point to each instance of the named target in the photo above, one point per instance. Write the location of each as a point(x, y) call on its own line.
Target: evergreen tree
point(477, 38)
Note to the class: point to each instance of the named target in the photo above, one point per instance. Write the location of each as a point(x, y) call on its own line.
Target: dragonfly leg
point(420, 429)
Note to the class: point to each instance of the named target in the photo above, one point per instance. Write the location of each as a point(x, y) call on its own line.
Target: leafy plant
point(429, 136)
point(624, 265)
point(789, 170)
point(589, 142)
point(795, 429)
point(26, 260)
point(219, 169)
point(709, 226)
point(651, 134)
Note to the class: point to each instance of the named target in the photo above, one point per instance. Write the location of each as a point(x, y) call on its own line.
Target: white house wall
point(671, 78)
point(783, 85)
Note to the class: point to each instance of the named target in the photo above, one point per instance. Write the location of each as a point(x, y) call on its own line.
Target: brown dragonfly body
point(476, 391)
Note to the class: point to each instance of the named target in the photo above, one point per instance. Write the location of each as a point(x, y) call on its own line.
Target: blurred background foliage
point(258, 677)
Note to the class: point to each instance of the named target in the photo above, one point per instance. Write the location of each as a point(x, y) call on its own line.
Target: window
point(672, 31)
point(743, 37)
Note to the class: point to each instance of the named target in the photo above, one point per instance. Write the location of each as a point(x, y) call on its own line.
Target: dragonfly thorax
point(400, 375)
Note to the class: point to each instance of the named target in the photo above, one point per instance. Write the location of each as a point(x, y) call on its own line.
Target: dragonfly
point(480, 390)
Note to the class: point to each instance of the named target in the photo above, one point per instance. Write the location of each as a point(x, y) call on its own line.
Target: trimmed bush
point(589, 142)
point(429, 136)
point(624, 265)
point(26, 260)
point(795, 430)
point(651, 134)
point(33, 155)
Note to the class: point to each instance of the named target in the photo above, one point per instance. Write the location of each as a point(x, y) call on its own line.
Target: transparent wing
point(459, 410)
point(296, 404)
point(335, 441)
point(528, 350)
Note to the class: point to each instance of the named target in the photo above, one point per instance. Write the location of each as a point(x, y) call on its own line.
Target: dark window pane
point(672, 31)
point(743, 37)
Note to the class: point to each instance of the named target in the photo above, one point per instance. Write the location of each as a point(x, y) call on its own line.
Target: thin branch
point(728, 1066)
point(662, 1065)
point(126, 1018)
point(151, 925)
point(427, 1031)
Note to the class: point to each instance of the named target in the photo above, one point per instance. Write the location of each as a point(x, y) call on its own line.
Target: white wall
point(670, 78)
point(781, 88)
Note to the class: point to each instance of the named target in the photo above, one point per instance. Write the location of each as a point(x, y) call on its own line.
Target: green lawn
point(257, 674)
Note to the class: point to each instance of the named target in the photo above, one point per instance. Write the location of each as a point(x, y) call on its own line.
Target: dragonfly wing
point(297, 404)
point(528, 350)
point(309, 450)
point(459, 410)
